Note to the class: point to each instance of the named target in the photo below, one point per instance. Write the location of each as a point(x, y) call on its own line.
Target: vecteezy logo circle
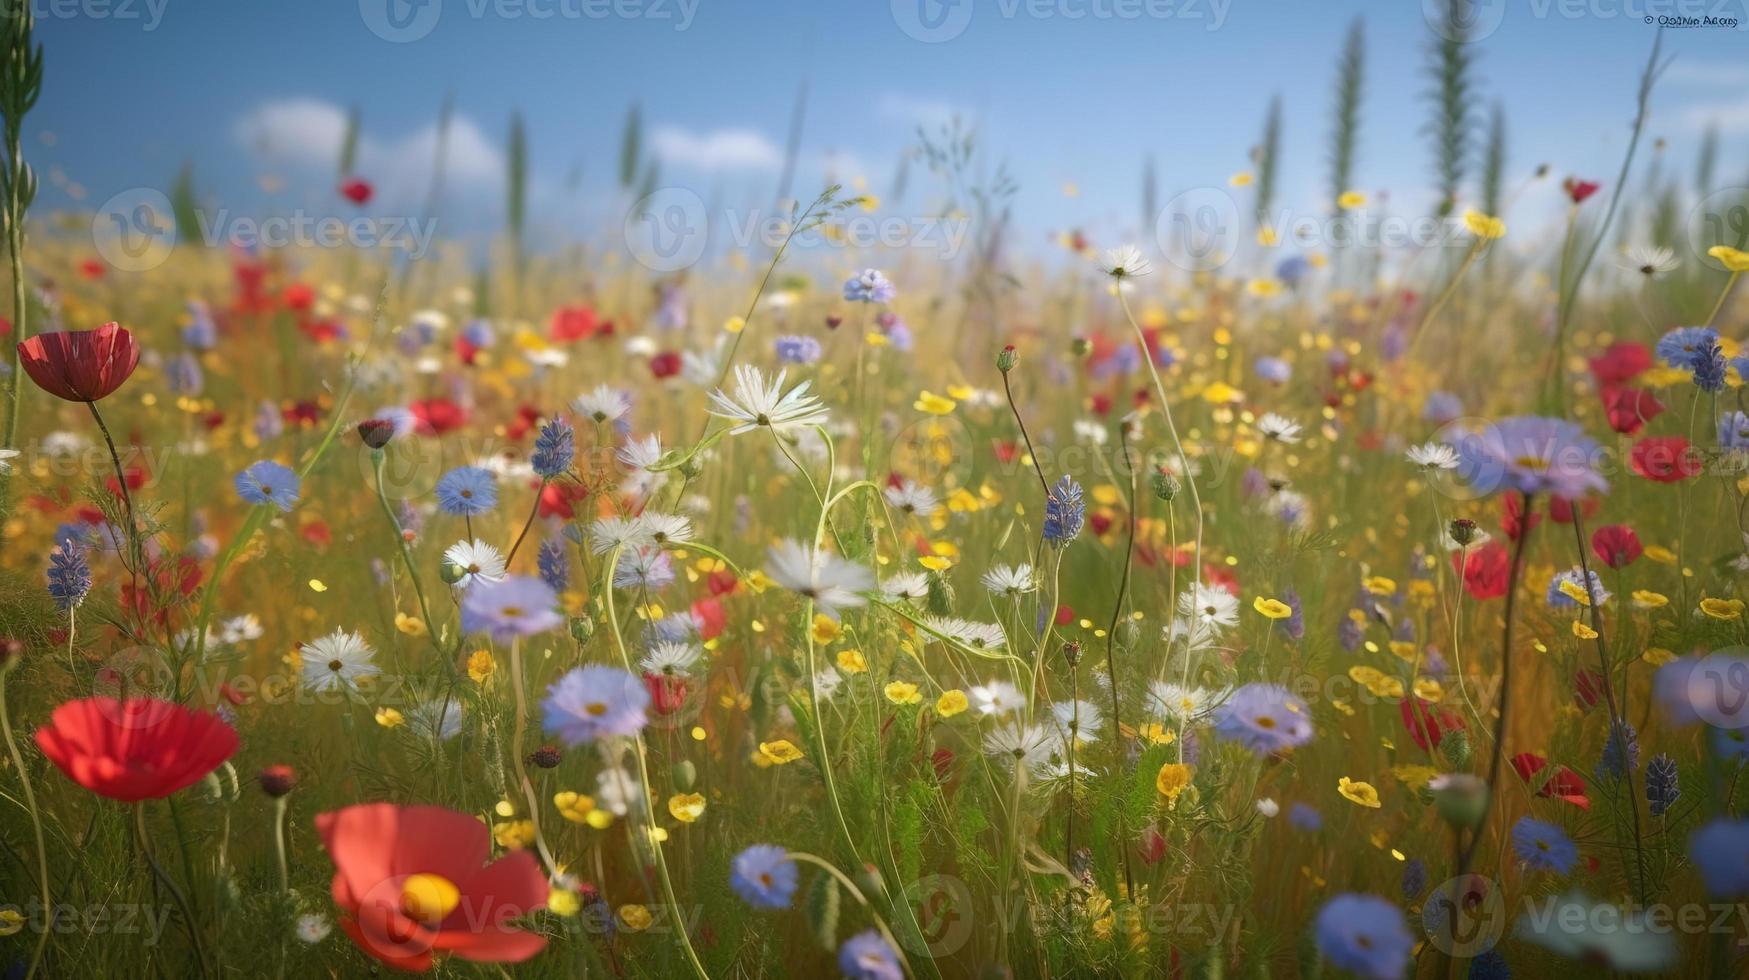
point(1464, 916)
point(667, 229)
point(411, 466)
point(942, 907)
point(1198, 230)
point(1718, 689)
point(1463, 20)
point(932, 21)
point(135, 230)
point(137, 679)
point(1721, 218)
point(400, 21)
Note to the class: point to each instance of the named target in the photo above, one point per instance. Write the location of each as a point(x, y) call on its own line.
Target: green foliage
point(1451, 67)
point(1345, 130)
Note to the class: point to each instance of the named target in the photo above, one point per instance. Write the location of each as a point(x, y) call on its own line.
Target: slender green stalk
point(520, 689)
point(36, 823)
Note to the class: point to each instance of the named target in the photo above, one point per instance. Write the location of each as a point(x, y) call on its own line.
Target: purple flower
point(554, 449)
point(1305, 819)
point(1364, 934)
point(1543, 846)
point(69, 574)
point(595, 702)
point(1064, 512)
point(797, 350)
point(467, 491)
point(1441, 407)
point(765, 876)
point(515, 606)
point(1531, 454)
point(1265, 718)
point(268, 482)
point(553, 568)
point(866, 956)
point(1688, 347)
point(869, 286)
point(1721, 851)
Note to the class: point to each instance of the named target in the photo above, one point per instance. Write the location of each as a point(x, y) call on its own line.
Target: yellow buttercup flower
point(480, 666)
point(1380, 585)
point(513, 834)
point(1483, 226)
point(1266, 237)
point(1413, 775)
point(636, 918)
point(1576, 592)
point(1172, 780)
point(410, 625)
point(1351, 200)
point(1240, 179)
point(686, 807)
point(825, 629)
point(903, 692)
point(780, 752)
point(1647, 599)
point(1659, 553)
point(935, 563)
point(933, 404)
point(951, 703)
point(1583, 632)
point(390, 718)
point(574, 807)
point(1722, 608)
point(852, 661)
point(563, 902)
point(1356, 792)
point(1272, 608)
point(1658, 656)
point(1734, 260)
point(1155, 733)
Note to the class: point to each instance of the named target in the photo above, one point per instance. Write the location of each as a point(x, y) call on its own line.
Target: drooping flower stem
point(520, 688)
point(36, 823)
point(848, 885)
point(376, 460)
point(532, 510)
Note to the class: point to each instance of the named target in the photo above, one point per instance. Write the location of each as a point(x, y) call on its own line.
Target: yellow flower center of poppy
point(428, 897)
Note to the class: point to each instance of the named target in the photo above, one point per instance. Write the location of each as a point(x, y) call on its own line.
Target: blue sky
point(252, 91)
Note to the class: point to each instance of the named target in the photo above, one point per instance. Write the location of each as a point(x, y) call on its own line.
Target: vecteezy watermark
point(935, 21)
point(404, 21)
point(148, 13)
point(1720, 218)
point(671, 229)
point(1474, 20)
point(97, 919)
point(137, 230)
point(1466, 916)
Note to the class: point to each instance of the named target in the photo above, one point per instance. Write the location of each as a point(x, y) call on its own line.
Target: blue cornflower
point(553, 568)
point(1265, 718)
point(1304, 818)
point(1065, 512)
point(1273, 369)
point(478, 333)
point(1490, 965)
point(512, 607)
point(466, 491)
point(1621, 751)
point(866, 956)
point(1441, 407)
point(268, 482)
point(765, 876)
point(69, 574)
point(1292, 269)
point(1721, 851)
point(1662, 784)
point(1531, 454)
point(200, 333)
point(1364, 934)
point(269, 423)
point(1592, 584)
point(869, 286)
point(1709, 369)
point(554, 449)
point(594, 702)
point(1734, 431)
point(1294, 626)
point(1686, 347)
point(183, 376)
point(797, 350)
point(1414, 879)
point(1543, 846)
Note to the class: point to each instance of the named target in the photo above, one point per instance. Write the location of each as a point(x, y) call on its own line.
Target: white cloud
point(1730, 116)
point(719, 149)
point(1707, 73)
point(307, 134)
point(928, 113)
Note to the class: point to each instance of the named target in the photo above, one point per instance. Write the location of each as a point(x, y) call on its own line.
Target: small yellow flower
point(1155, 733)
point(1380, 585)
point(780, 752)
point(825, 629)
point(1351, 200)
point(1172, 780)
point(574, 807)
point(1272, 608)
point(1483, 226)
point(480, 666)
point(951, 703)
point(1355, 792)
point(563, 902)
point(390, 718)
point(599, 819)
point(1583, 632)
point(852, 661)
point(1240, 179)
point(1429, 690)
point(316, 585)
point(1734, 260)
point(11, 922)
point(410, 625)
point(1263, 288)
point(933, 404)
point(1220, 393)
point(1658, 656)
point(935, 563)
point(903, 692)
point(636, 918)
point(513, 834)
point(1659, 553)
point(1722, 608)
point(1576, 592)
point(1267, 237)
point(868, 202)
point(686, 807)
point(1413, 775)
point(1647, 599)
point(734, 324)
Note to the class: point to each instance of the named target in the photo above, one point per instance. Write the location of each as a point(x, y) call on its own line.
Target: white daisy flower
point(477, 561)
point(997, 698)
point(1125, 262)
point(1080, 720)
point(604, 404)
point(758, 403)
point(671, 659)
point(1030, 745)
point(666, 529)
point(337, 660)
point(829, 580)
point(979, 636)
point(1268, 808)
point(912, 499)
point(641, 454)
point(1278, 428)
point(617, 791)
point(1088, 430)
point(827, 681)
point(1009, 580)
point(240, 629)
point(6, 458)
point(609, 533)
point(313, 928)
point(1174, 702)
point(1210, 607)
point(906, 585)
point(438, 718)
point(1433, 456)
point(1651, 261)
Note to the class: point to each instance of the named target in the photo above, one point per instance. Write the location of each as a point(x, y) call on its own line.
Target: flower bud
point(277, 781)
point(1072, 652)
point(685, 775)
point(545, 757)
point(1006, 358)
point(1462, 799)
point(376, 433)
point(582, 628)
point(450, 572)
point(1463, 530)
point(1166, 485)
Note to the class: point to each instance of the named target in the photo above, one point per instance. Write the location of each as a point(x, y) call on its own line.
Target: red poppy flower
point(1587, 689)
point(298, 296)
point(667, 692)
point(436, 416)
point(665, 365)
point(357, 190)
point(571, 323)
point(301, 413)
point(412, 881)
point(721, 582)
point(1664, 459)
point(80, 365)
point(91, 269)
point(556, 499)
point(1564, 784)
point(711, 618)
point(1561, 509)
point(1428, 724)
point(1065, 616)
point(1616, 544)
point(1629, 409)
point(526, 419)
point(1153, 849)
point(1484, 570)
point(138, 749)
point(1512, 517)
point(1620, 363)
point(322, 331)
point(1101, 403)
point(1578, 189)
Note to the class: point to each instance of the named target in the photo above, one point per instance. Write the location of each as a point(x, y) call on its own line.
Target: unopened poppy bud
point(277, 781)
point(582, 628)
point(1006, 358)
point(1463, 530)
point(1072, 652)
point(450, 572)
point(545, 757)
point(1166, 485)
point(376, 433)
point(833, 321)
point(685, 774)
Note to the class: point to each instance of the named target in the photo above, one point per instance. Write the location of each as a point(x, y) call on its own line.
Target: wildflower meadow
point(1311, 579)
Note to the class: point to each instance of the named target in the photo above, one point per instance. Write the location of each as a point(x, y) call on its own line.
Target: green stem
point(36, 824)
